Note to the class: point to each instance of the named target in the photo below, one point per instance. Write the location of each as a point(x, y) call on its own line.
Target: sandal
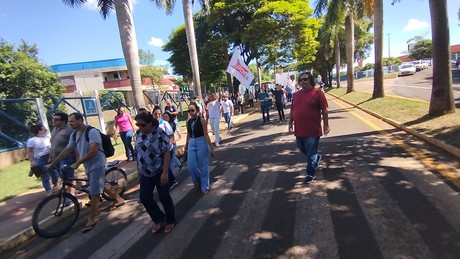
point(116, 205)
point(88, 228)
point(157, 226)
point(169, 228)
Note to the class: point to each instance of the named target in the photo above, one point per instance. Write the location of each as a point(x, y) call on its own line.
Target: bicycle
point(57, 213)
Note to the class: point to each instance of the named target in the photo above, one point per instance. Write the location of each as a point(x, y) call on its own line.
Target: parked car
point(418, 65)
point(407, 69)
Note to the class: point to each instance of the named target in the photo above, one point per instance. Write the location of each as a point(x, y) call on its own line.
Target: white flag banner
point(238, 69)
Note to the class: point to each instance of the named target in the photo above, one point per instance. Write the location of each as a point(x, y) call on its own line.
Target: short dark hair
point(63, 116)
point(34, 129)
point(147, 118)
point(77, 115)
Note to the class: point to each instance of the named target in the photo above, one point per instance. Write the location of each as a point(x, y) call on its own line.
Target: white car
point(418, 65)
point(407, 69)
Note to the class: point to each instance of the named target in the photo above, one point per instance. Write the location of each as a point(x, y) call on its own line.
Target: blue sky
point(66, 35)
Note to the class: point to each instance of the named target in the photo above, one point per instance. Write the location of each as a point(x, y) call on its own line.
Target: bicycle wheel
point(116, 179)
point(55, 215)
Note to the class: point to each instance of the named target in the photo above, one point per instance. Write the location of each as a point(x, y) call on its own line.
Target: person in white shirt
point(214, 115)
point(38, 150)
point(166, 127)
point(227, 109)
point(291, 88)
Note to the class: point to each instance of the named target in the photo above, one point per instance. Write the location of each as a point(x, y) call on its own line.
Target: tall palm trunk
point(350, 49)
point(130, 49)
point(190, 30)
point(378, 46)
point(442, 99)
point(337, 58)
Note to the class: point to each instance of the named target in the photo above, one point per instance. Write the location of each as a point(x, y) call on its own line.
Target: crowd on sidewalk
point(154, 131)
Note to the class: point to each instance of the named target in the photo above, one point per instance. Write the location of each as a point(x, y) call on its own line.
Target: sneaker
point(181, 167)
point(174, 184)
point(309, 179)
point(31, 173)
point(318, 159)
point(169, 228)
point(206, 191)
point(48, 193)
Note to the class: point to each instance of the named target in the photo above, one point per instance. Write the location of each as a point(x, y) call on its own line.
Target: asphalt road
point(417, 86)
point(378, 195)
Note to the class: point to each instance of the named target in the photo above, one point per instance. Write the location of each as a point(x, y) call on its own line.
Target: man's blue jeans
point(228, 119)
point(309, 147)
point(147, 186)
point(198, 162)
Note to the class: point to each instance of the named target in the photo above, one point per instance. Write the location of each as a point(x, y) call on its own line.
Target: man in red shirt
point(308, 105)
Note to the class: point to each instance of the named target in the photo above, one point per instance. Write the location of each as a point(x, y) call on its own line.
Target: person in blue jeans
point(153, 157)
point(309, 107)
point(227, 110)
point(199, 149)
point(265, 103)
point(38, 150)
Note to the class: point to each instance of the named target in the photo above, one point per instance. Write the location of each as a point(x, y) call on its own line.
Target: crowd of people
point(154, 132)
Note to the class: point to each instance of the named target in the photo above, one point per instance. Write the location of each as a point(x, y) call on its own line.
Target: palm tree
point(128, 40)
point(336, 9)
point(168, 6)
point(442, 96)
point(374, 9)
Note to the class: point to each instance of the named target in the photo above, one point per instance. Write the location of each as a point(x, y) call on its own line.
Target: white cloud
point(92, 4)
point(156, 42)
point(414, 24)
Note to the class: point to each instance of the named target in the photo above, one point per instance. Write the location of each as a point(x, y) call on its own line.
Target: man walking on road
point(90, 154)
point(227, 110)
point(308, 105)
point(214, 116)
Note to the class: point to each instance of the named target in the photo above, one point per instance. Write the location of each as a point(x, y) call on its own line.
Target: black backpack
point(107, 147)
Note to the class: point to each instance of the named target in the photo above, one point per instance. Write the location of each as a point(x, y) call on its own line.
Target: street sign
point(90, 107)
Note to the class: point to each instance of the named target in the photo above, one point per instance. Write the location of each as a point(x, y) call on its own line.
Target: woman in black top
point(199, 149)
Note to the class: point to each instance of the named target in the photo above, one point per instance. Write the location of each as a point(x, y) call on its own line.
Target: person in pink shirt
point(125, 126)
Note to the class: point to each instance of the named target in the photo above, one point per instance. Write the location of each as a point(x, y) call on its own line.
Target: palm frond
point(74, 3)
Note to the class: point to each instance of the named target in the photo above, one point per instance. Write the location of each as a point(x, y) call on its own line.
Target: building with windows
point(110, 74)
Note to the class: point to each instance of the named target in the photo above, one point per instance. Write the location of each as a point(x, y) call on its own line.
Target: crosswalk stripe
point(72, 243)
point(117, 246)
point(239, 240)
point(314, 232)
point(173, 244)
point(390, 227)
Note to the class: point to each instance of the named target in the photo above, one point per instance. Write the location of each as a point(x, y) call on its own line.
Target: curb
point(437, 143)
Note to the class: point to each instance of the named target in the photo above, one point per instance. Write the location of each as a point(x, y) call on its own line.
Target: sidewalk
point(16, 213)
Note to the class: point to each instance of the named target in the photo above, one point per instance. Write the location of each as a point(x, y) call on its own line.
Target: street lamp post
point(389, 45)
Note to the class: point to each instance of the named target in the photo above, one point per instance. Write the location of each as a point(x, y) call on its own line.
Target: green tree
point(146, 57)
point(128, 39)
point(23, 76)
point(155, 73)
point(368, 66)
point(336, 10)
point(391, 61)
point(442, 97)
point(422, 49)
point(30, 50)
point(168, 6)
